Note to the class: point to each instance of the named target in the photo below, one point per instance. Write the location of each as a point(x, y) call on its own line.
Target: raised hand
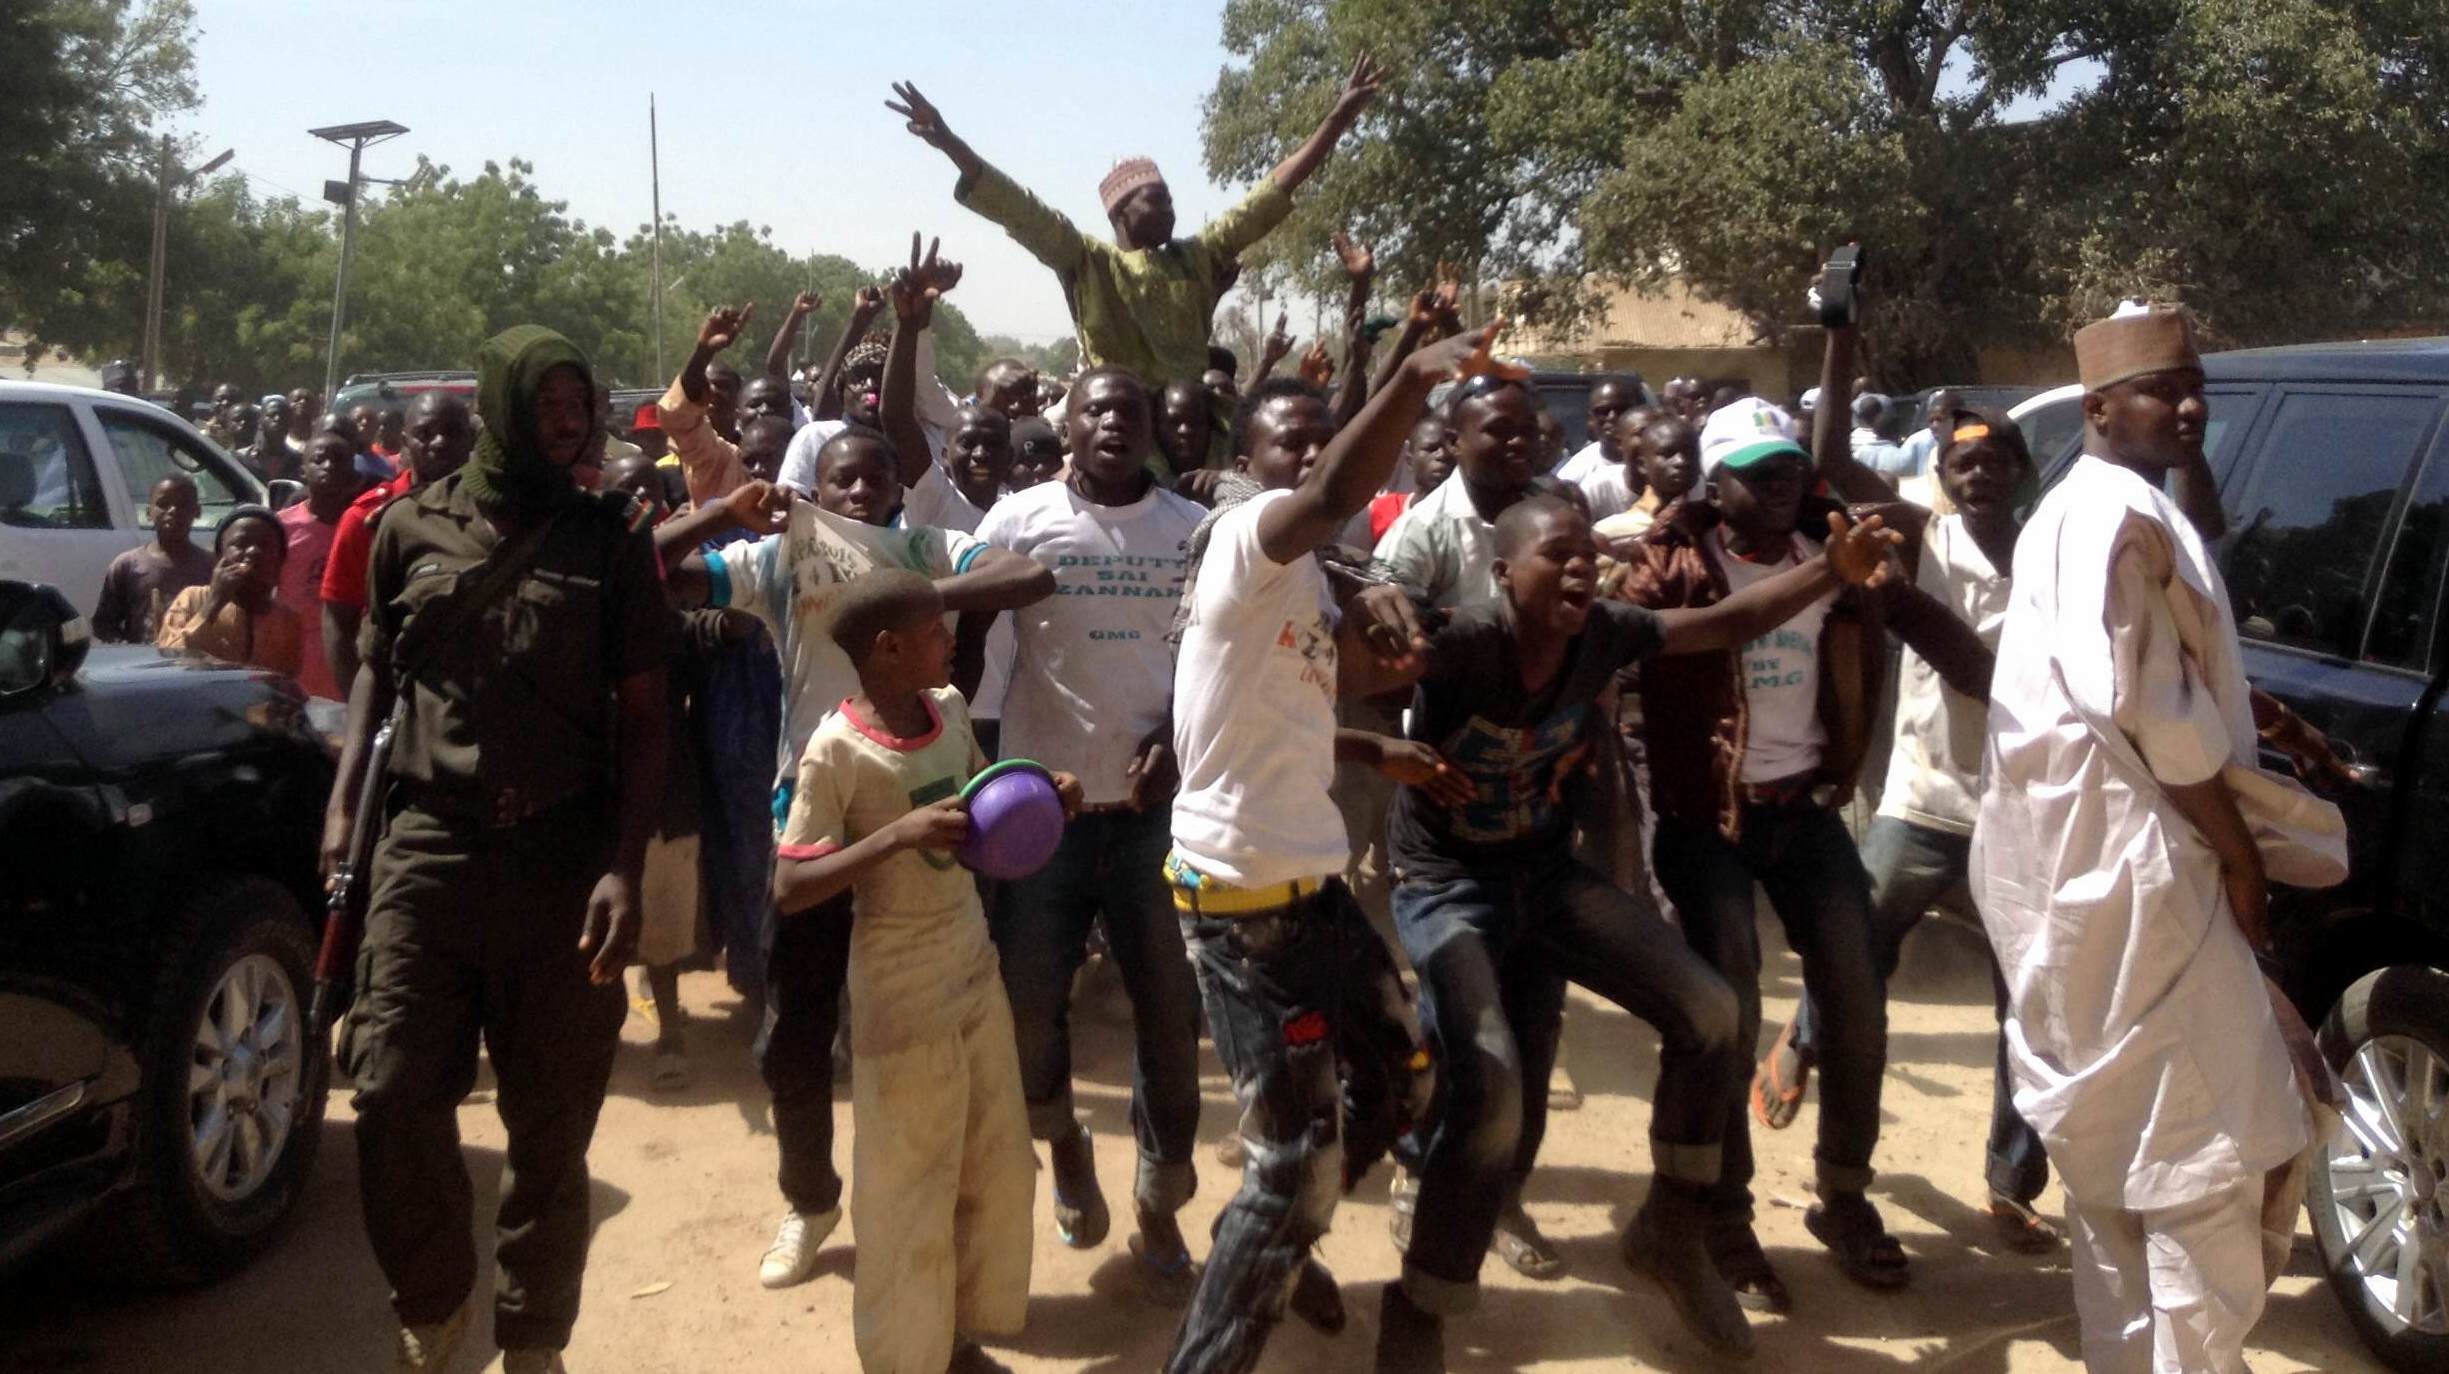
point(867, 303)
point(805, 303)
point(921, 117)
point(1359, 89)
point(1466, 355)
point(1316, 368)
point(919, 286)
point(1449, 289)
point(1359, 263)
point(1858, 554)
point(722, 327)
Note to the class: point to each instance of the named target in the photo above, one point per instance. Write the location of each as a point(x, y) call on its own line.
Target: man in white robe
point(2121, 888)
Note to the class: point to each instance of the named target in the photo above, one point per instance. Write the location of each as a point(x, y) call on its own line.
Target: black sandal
point(1851, 1229)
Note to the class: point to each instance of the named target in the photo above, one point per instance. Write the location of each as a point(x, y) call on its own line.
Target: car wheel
point(231, 1105)
point(2379, 1191)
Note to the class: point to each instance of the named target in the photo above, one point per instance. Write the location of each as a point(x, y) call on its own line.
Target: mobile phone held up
point(1837, 286)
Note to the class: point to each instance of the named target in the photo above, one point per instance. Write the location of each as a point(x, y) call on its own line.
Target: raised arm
point(709, 462)
point(1278, 344)
point(1832, 448)
point(1360, 269)
point(1432, 312)
point(1360, 457)
point(925, 120)
point(1360, 88)
point(914, 291)
point(825, 400)
point(778, 353)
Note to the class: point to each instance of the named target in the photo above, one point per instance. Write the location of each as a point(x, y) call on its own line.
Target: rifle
point(344, 913)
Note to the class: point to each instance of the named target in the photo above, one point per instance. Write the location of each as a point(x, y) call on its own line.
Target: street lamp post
point(171, 179)
point(356, 137)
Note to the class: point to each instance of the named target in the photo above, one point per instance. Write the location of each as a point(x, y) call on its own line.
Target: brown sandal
point(2022, 1229)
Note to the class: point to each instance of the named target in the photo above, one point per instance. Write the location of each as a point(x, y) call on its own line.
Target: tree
point(2264, 160)
point(1057, 359)
point(86, 82)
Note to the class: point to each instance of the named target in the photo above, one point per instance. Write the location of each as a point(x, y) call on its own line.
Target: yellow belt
point(1200, 894)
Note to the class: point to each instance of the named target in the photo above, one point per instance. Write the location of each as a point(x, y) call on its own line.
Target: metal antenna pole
point(654, 164)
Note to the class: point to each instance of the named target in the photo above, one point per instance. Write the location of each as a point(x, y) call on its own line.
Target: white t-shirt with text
point(1781, 674)
point(1092, 674)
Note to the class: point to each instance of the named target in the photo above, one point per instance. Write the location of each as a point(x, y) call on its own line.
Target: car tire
point(2388, 1038)
point(224, 1140)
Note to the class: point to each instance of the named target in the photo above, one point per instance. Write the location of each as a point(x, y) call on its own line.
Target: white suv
point(77, 469)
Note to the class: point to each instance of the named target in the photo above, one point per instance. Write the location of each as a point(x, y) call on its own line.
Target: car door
point(2321, 563)
point(2407, 644)
point(57, 522)
point(146, 445)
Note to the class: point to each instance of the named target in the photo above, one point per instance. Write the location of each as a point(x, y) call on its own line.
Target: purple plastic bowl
point(1015, 820)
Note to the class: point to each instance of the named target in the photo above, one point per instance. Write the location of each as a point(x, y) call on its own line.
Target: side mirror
point(42, 639)
point(281, 493)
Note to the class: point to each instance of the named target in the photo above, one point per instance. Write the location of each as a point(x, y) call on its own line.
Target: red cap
point(647, 418)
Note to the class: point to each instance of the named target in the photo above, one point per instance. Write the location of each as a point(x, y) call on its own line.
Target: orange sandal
point(1779, 1082)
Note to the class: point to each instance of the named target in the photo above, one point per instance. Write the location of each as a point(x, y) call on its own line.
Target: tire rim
point(2389, 1180)
point(243, 1080)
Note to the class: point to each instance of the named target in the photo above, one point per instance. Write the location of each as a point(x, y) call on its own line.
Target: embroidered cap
point(1745, 433)
point(1128, 175)
point(2136, 341)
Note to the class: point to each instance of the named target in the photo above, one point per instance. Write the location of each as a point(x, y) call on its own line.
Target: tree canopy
point(441, 261)
point(2010, 169)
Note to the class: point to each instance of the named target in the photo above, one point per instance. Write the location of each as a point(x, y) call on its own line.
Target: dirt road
point(685, 1202)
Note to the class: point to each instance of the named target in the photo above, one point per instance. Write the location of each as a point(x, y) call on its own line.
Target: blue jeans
point(1288, 991)
point(1799, 852)
point(1480, 943)
point(1911, 867)
point(1110, 869)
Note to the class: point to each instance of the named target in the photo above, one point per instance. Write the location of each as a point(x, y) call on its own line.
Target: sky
point(770, 112)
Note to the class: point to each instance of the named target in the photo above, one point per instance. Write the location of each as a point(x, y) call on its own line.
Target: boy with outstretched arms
point(942, 1177)
point(1259, 847)
point(793, 579)
point(1487, 878)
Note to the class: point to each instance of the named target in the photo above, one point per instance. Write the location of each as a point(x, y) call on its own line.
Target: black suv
point(160, 1099)
point(2333, 464)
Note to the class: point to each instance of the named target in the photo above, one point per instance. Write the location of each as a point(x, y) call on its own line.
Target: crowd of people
point(1377, 720)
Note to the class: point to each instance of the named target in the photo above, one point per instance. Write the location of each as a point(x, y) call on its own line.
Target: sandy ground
point(685, 1202)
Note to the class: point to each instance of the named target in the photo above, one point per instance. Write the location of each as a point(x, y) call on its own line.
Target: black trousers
point(807, 958)
point(474, 932)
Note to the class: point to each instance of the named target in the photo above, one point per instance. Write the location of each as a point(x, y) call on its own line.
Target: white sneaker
point(792, 1257)
point(428, 1349)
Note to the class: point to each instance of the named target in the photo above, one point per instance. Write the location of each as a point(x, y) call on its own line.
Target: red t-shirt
point(302, 573)
point(1383, 509)
point(344, 572)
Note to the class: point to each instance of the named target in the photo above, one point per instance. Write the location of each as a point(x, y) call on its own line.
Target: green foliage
point(82, 85)
point(2269, 162)
point(1055, 359)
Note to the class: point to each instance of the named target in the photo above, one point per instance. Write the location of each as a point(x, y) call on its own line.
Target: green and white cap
point(1746, 432)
